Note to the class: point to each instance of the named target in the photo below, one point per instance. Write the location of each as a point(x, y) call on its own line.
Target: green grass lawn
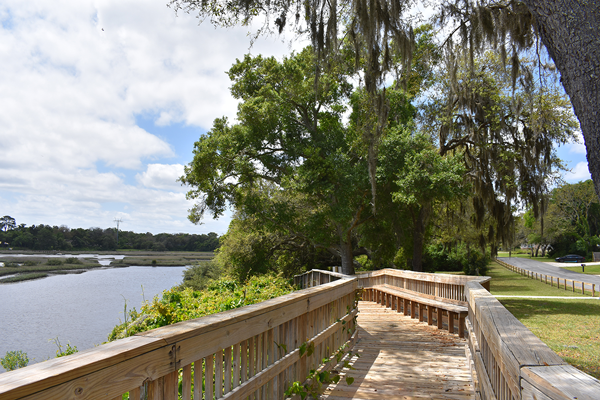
point(589, 269)
point(522, 254)
point(571, 328)
point(505, 282)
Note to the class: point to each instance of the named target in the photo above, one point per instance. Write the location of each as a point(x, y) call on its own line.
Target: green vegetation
point(14, 360)
point(424, 173)
point(184, 303)
point(37, 268)
point(67, 351)
point(524, 253)
point(24, 277)
point(506, 282)
point(571, 224)
point(589, 269)
point(199, 276)
point(62, 238)
point(163, 260)
point(571, 328)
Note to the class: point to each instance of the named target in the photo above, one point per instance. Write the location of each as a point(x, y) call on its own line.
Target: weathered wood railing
point(253, 351)
point(444, 287)
point(421, 295)
point(509, 362)
point(551, 280)
point(316, 277)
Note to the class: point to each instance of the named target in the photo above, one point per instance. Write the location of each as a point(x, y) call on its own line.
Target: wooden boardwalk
point(401, 358)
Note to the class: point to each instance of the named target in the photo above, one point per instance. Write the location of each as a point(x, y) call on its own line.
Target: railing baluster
point(236, 365)
point(209, 377)
point(198, 375)
point(186, 383)
point(227, 370)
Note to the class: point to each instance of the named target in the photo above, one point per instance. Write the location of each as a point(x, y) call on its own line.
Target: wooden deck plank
point(402, 358)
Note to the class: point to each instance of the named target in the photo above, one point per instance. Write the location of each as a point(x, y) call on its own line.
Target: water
point(78, 308)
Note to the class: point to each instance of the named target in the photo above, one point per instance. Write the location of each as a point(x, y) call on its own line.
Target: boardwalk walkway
point(401, 358)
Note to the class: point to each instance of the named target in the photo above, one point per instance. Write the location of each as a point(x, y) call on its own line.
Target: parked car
point(574, 258)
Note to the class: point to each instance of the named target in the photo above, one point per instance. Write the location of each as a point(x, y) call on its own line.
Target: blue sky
point(101, 102)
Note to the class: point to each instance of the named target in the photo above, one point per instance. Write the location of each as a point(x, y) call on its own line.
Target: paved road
point(552, 270)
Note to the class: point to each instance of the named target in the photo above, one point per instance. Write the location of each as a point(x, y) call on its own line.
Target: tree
point(417, 177)
point(7, 223)
point(577, 212)
point(290, 143)
point(569, 30)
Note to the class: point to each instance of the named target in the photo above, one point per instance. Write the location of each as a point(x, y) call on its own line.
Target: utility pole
point(118, 221)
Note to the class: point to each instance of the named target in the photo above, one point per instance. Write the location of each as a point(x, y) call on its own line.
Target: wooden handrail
point(511, 362)
point(253, 349)
point(445, 287)
point(316, 277)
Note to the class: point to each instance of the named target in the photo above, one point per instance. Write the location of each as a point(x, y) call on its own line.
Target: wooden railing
point(316, 277)
point(552, 280)
point(442, 287)
point(255, 351)
point(250, 351)
point(509, 362)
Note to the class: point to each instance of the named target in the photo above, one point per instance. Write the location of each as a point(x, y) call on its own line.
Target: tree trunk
point(419, 224)
point(347, 258)
point(570, 30)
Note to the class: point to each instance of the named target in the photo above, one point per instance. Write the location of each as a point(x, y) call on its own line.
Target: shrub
point(12, 264)
point(178, 304)
point(54, 261)
point(471, 262)
point(199, 276)
point(14, 360)
point(67, 351)
point(72, 260)
point(30, 263)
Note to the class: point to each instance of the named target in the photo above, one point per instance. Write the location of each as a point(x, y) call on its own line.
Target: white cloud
point(578, 148)
point(581, 172)
point(161, 176)
point(74, 76)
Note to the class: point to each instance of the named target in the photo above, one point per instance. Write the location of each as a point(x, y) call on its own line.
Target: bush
point(14, 360)
point(178, 304)
point(54, 261)
point(12, 264)
point(72, 260)
point(199, 276)
point(67, 351)
point(30, 263)
point(471, 262)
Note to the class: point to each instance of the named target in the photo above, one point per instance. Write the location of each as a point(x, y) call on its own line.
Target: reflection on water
point(77, 308)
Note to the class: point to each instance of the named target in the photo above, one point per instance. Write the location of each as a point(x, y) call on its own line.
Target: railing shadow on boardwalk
point(256, 352)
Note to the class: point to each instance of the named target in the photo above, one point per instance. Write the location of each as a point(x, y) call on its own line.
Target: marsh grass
point(24, 277)
point(167, 260)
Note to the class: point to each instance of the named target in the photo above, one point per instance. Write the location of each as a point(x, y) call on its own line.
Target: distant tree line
point(46, 237)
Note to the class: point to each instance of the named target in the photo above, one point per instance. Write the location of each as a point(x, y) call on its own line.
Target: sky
point(101, 102)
